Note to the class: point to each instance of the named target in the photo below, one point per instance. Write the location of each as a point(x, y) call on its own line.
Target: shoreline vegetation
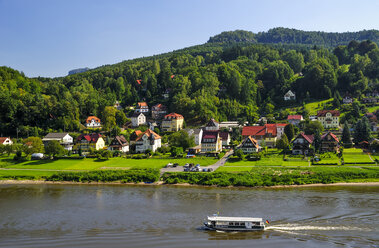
point(257, 177)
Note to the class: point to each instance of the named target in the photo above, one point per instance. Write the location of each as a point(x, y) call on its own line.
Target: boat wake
point(294, 227)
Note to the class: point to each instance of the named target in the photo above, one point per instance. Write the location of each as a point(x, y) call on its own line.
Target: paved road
point(213, 166)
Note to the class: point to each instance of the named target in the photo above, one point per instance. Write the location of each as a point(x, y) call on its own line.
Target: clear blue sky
point(51, 37)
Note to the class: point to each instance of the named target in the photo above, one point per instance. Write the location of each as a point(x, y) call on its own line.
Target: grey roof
point(136, 114)
point(55, 136)
point(197, 130)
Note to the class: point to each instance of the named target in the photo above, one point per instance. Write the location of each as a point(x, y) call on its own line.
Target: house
point(329, 142)
point(172, 122)
point(211, 142)
point(347, 100)
point(142, 107)
point(329, 118)
point(63, 138)
point(147, 140)
point(289, 96)
point(370, 100)
point(225, 137)
point(133, 137)
point(138, 118)
point(265, 135)
point(295, 119)
point(212, 125)
point(229, 124)
point(302, 144)
point(119, 143)
point(5, 141)
point(117, 105)
point(158, 111)
point(249, 145)
point(198, 134)
point(372, 94)
point(373, 120)
point(93, 121)
point(86, 141)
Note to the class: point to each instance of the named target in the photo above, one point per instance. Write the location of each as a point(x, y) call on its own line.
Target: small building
point(249, 145)
point(302, 144)
point(6, 141)
point(225, 137)
point(347, 100)
point(119, 143)
point(86, 141)
point(329, 118)
point(212, 125)
point(138, 118)
point(198, 134)
point(158, 111)
point(295, 119)
point(211, 142)
point(329, 142)
point(148, 140)
point(142, 107)
point(370, 100)
point(64, 139)
point(93, 122)
point(229, 124)
point(117, 105)
point(289, 96)
point(172, 122)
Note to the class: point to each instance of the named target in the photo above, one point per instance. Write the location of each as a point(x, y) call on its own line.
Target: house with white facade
point(93, 122)
point(6, 141)
point(119, 143)
point(249, 145)
point(212, 125)
point(147, 140)
point(64, 139)
point(138, 119)
point(295, 119)
point(289, 96)
point(329, 118)
point(142, 107)
point(198, 134)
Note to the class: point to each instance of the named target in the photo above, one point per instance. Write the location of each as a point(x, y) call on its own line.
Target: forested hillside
point(218, 80)
point(294, 36)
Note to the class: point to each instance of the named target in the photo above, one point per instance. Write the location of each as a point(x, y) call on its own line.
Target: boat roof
point(242, 219)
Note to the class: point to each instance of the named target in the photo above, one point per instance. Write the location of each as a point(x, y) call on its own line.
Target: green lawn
point(8, 174)
point(352, 155)
point(93, 164)
point(313, 107)
point(372, 109)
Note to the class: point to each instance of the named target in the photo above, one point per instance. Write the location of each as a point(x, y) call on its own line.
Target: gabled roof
point(173, 116)
point(92, 138)
point(289, 93)
point(150, 133)
point(3, 139)
point(159, 107)
point(142, 104)
point(331, 134)
point(210, 135)
point(121, 140)
point(212, 123)
point(308, 138)
point(55, 136)
point(294, 117)
point(92, 117)
point(136, 114)
point(324, 112)
point(250, 139)
point(262, 130)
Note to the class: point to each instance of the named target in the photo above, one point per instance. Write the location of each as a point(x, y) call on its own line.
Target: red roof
point(2, 139)
point(294, 117)
point(308, 138)
point(158, 107)
point(324, 112)
point(224, 135)
point(89, 137)
point(173, 116)
point(149, 132)
point(331, 134)
point(262, 130)
point(90, 118)
point(142, 104)
point(210, 135)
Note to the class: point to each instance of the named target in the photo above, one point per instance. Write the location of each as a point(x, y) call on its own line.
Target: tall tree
point(289, 131)
point(346, 136)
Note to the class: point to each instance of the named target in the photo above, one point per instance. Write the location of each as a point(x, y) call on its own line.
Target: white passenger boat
point(222, 223)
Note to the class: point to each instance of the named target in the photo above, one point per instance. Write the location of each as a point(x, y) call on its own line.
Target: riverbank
point(161, 183)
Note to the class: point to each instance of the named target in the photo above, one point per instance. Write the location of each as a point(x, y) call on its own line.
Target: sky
point(50, 37)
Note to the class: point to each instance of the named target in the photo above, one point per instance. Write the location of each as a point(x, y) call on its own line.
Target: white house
point(148, 140)
point(138, 119)
point(295, 119)
point(212, 125)
point(289, 96)
point(119, 143)
point(198, 134)
point(249, 145)
point(64, 139)
point(93, 121)
point(142, 107)
point(6, 141)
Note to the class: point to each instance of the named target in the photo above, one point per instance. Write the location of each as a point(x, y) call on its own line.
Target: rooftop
point(236, 219)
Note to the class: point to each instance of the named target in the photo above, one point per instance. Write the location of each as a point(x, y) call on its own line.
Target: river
point(171, 216)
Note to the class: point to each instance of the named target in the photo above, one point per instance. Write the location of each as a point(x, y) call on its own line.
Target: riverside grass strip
point(271, 176)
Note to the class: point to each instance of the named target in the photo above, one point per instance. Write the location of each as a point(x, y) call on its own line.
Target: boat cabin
point(234, 223)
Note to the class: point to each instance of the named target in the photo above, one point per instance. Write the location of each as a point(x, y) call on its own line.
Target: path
point(214, 166)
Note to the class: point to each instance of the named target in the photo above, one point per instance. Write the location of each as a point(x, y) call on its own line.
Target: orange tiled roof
point(89, 119)
point(148, 132)
point(174, 116)
point(142, 104)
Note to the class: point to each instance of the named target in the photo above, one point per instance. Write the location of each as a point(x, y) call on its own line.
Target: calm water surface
point(163, 216)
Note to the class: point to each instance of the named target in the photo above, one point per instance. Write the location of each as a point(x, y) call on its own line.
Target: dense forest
point(239, 81)
point(294, 36)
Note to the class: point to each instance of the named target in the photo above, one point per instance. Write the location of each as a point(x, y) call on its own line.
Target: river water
point(171, 216)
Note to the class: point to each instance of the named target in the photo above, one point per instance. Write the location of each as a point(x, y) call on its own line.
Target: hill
point(294, 36)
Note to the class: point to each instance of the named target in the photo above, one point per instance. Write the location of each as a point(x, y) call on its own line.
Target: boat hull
point(232, 229)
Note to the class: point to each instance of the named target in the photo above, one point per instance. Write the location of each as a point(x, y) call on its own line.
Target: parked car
point(175, 165)
point(169, 165)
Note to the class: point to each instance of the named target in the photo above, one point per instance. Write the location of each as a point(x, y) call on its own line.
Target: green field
point(372, 109)
point(313, 107)
point(353, 155)
point(93, 164)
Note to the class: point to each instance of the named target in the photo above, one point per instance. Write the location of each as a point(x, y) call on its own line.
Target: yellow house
point(86, 141)
point(172, 122)
point(211, 142)
point(329, 118)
